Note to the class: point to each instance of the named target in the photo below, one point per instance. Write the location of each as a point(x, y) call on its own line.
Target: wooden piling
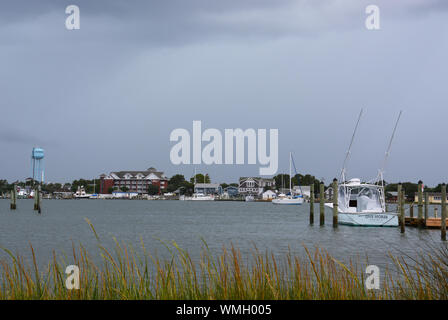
point(435, 212)
point(37, 199)
point(411, 210)
point(426, 206)
point(14, 198)
point(312, 203)
point(443, 224)
point(420, 203)
point(322, 203)
point(401, 207)
point(335, 203)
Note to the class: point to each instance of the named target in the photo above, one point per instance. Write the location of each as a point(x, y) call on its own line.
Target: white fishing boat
point(289, 199)
point(363, 203)
point(81, 193)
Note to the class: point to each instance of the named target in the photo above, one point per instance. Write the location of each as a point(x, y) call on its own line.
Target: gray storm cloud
point(107, 96)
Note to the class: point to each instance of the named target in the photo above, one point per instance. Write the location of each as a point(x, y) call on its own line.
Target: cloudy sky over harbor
point(106, 97)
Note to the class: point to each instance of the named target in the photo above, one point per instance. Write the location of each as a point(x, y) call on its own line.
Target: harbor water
point(246, 225)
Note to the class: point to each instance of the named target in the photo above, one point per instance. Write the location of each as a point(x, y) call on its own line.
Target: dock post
point(426, 207)
point(411, 210)
point(401, 207)
point(435, 212)
point(35, 198)
point(335, 203)
point(312, 203)
point(443, 225)
point(420, 203)
point(14, 198)
point(37, 201)
point(322, 203)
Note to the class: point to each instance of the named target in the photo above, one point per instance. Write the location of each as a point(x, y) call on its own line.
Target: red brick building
point(134, 181)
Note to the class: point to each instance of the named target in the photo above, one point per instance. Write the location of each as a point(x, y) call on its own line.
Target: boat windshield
point(365, 198)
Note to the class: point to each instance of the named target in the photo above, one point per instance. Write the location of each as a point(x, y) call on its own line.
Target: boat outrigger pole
point(381, 171)
point(349, 148)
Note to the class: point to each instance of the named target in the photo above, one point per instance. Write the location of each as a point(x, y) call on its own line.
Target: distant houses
point(254, 186)
point(433, 197)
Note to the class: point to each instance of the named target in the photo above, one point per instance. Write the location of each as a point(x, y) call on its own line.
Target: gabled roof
point(144, 174)
point(207, 185)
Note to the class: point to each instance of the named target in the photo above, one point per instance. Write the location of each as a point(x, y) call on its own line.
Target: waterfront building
point(269, 195)
point(254, 185)
point(433, 197)
point(208, 188)
point(232, 191)
point(133, 181)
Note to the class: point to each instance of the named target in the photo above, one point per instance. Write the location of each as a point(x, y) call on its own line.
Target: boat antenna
point(386, 156)
point(350, 147)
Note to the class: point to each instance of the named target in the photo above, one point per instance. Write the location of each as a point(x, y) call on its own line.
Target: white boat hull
point(249, 199)
point(294, 201)
point(367, 219)
point(380, 219)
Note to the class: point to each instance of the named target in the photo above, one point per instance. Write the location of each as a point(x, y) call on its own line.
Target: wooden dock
point(430, 223)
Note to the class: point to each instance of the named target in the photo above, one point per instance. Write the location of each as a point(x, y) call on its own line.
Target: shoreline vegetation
point(124, 273)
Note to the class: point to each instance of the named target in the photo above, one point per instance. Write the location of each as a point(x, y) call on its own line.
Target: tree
point(224, 185)
point(110, 189)
point(200, 178)
point(153, 190)
point(282, 180)
point(175, 182)
point(124, 189)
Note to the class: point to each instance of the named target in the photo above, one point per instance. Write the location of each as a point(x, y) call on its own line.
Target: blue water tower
point(37, 159)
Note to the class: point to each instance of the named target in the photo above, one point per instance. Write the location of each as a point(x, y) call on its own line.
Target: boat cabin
point(357, 197)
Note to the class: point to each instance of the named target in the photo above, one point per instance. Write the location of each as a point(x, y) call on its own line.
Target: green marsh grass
point(126, 273)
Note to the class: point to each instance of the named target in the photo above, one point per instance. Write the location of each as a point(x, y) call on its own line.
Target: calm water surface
point(276, 228)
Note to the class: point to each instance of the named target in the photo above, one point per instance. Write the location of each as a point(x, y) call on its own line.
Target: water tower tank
point(37, 153)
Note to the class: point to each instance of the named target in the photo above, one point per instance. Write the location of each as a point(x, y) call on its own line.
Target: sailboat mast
point(290, 179)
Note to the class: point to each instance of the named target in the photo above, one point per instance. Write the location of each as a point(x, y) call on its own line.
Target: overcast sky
point(106, 97)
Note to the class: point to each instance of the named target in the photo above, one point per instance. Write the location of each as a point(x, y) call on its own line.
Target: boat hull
point(380, 219)
point(295, 201)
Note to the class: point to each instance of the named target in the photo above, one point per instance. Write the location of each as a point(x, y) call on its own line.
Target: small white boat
point(199, 197)
point(81, 194)
point(249, 199)
point(289, 199)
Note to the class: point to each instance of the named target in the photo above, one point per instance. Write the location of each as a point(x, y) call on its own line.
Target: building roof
point(257, 178)
point(207, 185)
point(144, 173)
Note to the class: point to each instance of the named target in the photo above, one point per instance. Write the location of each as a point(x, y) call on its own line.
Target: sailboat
point(363, 203)
point(289, 199)
point(198, 196)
